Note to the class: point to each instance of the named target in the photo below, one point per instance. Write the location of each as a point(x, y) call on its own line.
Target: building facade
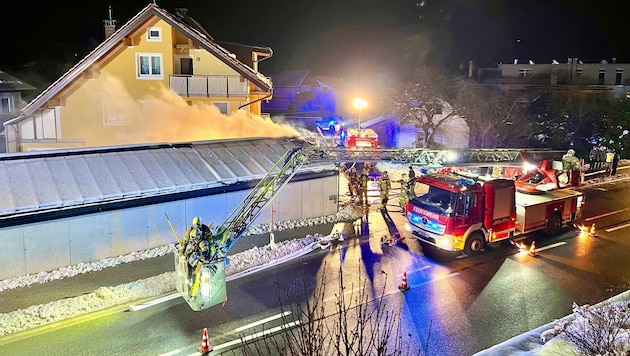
point(137, 85)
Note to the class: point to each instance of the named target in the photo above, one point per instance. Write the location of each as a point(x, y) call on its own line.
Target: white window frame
point(157, 38)
point(227, 107)
point(151, 57)
point(42, 125)
point(523, 72)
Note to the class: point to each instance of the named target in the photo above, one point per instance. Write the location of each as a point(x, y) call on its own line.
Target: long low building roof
point(36, 182)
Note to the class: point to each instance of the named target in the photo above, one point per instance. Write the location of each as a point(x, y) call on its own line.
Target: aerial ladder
point(204, 284)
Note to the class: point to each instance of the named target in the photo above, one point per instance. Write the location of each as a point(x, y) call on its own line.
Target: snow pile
point(593, 330)
point(81, 268)
point(107, 297)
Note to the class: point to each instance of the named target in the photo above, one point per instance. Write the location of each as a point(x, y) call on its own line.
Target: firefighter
point(198, 224)
point(363, 187)
point(571, 166)
point(403, 199)
point(384, 184)
point(411, 183)
point(353, 182)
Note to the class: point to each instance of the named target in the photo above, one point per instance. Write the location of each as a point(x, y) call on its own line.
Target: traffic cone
point(532, 249)
point(592, 231)
point(205, 344)
point(404, 286)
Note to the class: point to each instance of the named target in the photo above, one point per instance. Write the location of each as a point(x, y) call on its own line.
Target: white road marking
point(256, 335)
point(154, 302)
point(606, 214)
point(618, 227)
point(259, 322)
point(550, 246)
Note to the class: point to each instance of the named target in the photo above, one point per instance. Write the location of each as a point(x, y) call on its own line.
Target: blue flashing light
point(465, 181)
point(414, 218)
point(424, 171)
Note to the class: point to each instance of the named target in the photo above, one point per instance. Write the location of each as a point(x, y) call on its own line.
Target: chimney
point(110, 24)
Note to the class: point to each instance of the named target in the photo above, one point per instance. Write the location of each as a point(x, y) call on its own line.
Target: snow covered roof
point(37, 182)
point(9, 83)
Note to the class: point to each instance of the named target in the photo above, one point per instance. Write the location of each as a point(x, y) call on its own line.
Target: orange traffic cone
point(404, 286)
point(205, 344)
point(592, 231)
point(532, 249)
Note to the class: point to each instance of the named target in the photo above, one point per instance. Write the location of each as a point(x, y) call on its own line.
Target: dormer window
point(154, 34)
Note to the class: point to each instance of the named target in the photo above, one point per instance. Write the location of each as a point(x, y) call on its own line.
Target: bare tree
point(495, 119)
point(358, 324)
point(423, 101)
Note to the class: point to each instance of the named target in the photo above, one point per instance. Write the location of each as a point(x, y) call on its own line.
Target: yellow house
point(158, 78)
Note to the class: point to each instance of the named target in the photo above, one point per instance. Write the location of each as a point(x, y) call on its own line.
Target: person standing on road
point(411, 183)
point(601, 157)
point(353, 181)
point(384, 184)
point(363, 187)
point(615, 163)
point(592, 158)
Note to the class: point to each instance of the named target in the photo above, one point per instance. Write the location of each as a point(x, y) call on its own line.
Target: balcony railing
point(209, 85)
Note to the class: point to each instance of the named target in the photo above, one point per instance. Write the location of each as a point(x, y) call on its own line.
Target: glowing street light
point(360, 104)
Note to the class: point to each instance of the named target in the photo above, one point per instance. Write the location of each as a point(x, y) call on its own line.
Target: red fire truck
point(364, 138)
point(462, 214)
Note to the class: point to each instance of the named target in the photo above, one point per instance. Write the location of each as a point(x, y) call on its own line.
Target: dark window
point(602, 76)
point(4, 105)
point(618, 76)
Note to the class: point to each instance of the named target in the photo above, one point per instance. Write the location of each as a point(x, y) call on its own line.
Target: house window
point(149, 66)
point(618, 76)
point(602, 76)
point(524, 72)
point(223, 106)
point(114, 113)
point(5, 105)
point(42, 125)
point(154, 34)
point(578, 74)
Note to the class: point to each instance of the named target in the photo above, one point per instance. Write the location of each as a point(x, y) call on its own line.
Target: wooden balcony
point(224, 86)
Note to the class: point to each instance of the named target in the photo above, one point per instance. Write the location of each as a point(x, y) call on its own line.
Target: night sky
point(342, 37)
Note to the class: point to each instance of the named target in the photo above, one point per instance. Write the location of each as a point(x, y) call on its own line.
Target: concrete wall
point(49, 245)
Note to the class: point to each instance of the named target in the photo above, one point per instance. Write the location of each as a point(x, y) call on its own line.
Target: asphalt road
point(454, 306)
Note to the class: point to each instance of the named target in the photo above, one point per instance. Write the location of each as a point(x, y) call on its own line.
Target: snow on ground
point(546, 340)
point(106, 297)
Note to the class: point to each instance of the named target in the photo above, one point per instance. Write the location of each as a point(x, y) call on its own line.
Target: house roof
point(9, 83)
point(195, 34)
point(39, 182)
point(290, 78)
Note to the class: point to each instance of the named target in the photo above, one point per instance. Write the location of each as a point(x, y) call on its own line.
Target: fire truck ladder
point(259, 197)
point(429, 157)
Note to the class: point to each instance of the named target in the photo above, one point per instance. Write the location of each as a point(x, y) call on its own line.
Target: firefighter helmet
point(196, 221)
point(571, 152)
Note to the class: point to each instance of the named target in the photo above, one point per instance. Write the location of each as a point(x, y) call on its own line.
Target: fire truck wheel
point(474, 244)
point(554, 225)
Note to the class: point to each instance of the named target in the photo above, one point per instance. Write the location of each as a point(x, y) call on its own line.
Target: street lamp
point(360, 104)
